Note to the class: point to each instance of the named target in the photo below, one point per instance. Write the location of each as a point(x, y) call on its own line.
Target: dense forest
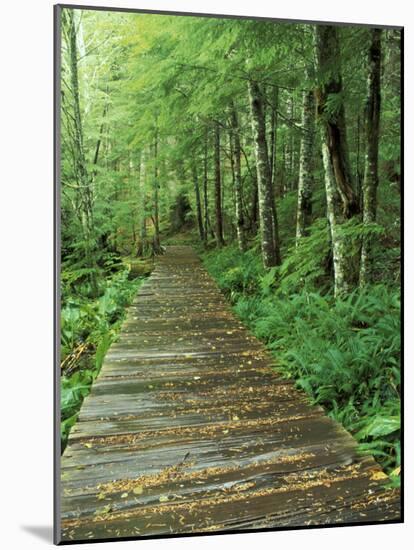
point(272, 148)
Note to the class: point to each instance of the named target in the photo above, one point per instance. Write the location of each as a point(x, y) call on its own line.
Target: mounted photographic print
point(228, 251)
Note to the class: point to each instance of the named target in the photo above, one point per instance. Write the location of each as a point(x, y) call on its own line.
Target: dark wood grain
point(190, 428)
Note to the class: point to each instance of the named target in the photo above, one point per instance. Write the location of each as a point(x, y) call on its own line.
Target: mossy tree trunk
point(273, 141)
point(143, 248)
point(342, 202)
point(305, 186)
point(217, 187)
point(238, 189)
point(331, 112)
point(268, 222)
point(84, 180)
point(198, 200)
point(207, 224)
point(156, 240)
point(372, 126)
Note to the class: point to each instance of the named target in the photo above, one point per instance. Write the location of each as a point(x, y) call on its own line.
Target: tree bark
point(290, 145)
point(254, 213)
point(273, 142)
point(198, 201)
point(342, 282)
point(238, 190)
point(268, 225)
point(283, 176)
point(217, 187)
point(142, 248)
point(207, 224)
point(331, 112)
point(305, 186)
point(85, 185)
point(341, 199)
point(372, 125)
point(156, 242)
point(135, 240)
point(358, 175)
point(99, 141)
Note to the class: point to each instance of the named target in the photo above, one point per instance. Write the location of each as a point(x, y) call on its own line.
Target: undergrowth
point(88, 328)
point(344, 353)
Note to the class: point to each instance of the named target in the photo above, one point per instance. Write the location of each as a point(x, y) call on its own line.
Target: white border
point(27, 257)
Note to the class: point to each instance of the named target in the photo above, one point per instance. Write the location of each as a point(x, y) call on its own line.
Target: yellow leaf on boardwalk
point(379, 475)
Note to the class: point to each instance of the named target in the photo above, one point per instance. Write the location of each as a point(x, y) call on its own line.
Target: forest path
point(188, 429)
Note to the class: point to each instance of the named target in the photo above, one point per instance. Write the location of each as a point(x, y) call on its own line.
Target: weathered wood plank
point(190, 428)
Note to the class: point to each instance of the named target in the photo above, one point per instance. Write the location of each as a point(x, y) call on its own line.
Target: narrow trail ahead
point(189, 429)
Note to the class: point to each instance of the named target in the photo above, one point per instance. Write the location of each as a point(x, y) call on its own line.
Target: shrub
point(91, 326)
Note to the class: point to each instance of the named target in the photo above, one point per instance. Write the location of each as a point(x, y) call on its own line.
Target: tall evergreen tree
point(372, 127)
point(342, 202)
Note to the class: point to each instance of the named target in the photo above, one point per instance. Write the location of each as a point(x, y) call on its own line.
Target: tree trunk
point(392, 84)
point(268, 225)
point(283, 177)
point(156, 242)
point(304, 209)
point(254, 215)
point(372, 123)
point(358, 175)
point(142, 248)
point(217, 187)
point(135, 240)
point(198, 201)
point(290, 145)
point(238, 191)
point(341, 199)
point(333, 118)
point(207, 223)
point(342, 283)
point(81, 171)
point(99, 141)
point(273, 141)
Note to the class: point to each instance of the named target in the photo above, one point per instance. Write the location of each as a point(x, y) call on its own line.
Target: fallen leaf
point(379, 475)
point(102, 511)
point(138, 490)
point(124, 495)
point(163, 498)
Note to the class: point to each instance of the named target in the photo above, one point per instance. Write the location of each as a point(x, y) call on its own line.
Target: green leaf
point(380, 426)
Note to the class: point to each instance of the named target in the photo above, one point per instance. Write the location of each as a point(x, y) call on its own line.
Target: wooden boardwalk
point(188, 429)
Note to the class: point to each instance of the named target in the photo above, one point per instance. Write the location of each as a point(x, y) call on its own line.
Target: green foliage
point(268, 281)
point(236, 273)
point(73, 390)
point(307, 266)
point(85, 320)
point(333, 105)
point(93, 324)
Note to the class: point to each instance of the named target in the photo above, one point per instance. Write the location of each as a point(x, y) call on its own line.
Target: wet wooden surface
point(189, 428)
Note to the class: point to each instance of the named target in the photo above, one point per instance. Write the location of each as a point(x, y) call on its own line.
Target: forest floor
point(189, 427)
